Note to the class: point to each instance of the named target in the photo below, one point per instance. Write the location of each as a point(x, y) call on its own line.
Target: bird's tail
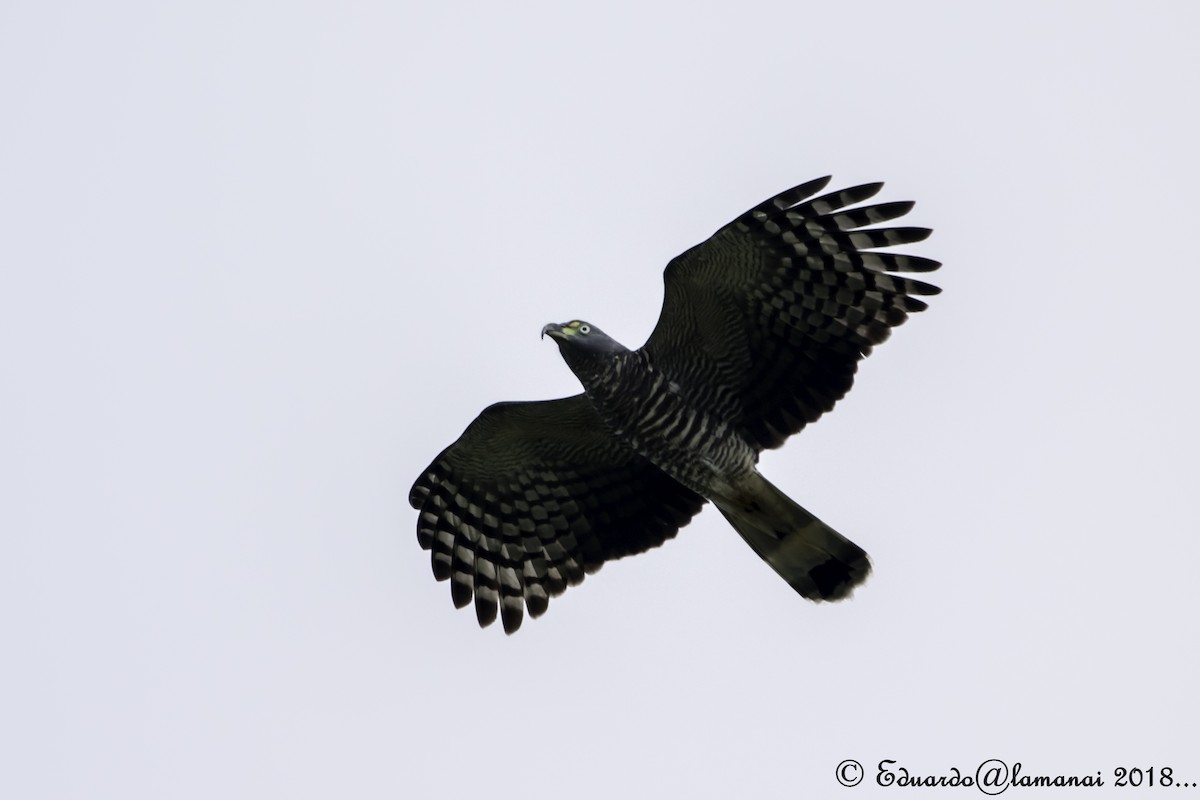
point(817, 561)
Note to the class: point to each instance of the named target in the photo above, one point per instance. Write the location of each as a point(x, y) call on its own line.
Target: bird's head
point(578, 338)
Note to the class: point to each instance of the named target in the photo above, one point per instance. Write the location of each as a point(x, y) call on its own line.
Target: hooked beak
point(555, 330)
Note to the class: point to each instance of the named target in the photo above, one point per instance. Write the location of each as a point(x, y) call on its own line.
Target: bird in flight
point(761, 331)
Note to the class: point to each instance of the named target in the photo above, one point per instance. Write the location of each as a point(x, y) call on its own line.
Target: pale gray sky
point(261, 262)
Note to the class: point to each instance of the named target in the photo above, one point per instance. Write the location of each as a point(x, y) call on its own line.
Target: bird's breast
point(655, 416)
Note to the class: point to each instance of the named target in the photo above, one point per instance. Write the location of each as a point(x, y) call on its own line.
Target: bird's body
point(691, 435)
point(650, 411)
point(761, 331)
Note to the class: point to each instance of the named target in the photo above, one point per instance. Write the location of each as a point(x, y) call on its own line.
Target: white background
point(260, 262)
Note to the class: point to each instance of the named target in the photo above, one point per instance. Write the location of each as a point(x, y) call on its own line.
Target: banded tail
point(817, 561)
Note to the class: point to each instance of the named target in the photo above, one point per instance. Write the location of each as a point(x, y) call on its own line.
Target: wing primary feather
point(785, 199)
point(895, 262)
point(887, 237)
point(827, 203)
point(870, 215)
point(486, 591)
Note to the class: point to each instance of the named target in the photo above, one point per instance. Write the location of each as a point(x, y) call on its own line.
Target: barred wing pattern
point(774, 311)
point(532, 497)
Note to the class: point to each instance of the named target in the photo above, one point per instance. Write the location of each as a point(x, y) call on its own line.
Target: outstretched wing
point(769, 318)
point(531, 497)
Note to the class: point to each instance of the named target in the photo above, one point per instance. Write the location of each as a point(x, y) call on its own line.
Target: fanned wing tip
point(831, 202)
point(419, 491)
point(536, 599)
point(511, 615)
point(786, 199)
point(485, 606)
point(870, 215)
point(790, 197)
point(887, 237)
point(897, 262)
point(910, 286)
point(461, 590)
point(426, 527)
point(796, 201)
point(487, 589)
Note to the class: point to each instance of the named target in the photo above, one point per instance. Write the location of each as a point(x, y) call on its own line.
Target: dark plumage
point(761, 331)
